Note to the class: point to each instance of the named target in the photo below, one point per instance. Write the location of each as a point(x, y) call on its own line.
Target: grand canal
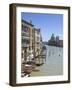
point(53, 64)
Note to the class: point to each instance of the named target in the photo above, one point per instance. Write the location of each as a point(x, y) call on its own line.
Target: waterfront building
point(52, 37)
point(55, 41)
point(37, 40)
point(26, 39)
point(31, 41)
point(52, 40)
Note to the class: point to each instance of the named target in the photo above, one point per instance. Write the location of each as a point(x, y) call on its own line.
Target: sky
point(48, 23)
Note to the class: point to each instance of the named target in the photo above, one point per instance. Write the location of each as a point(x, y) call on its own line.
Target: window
point(25, 28)
point(25, 41)
point(38, 32)
point(37, 38)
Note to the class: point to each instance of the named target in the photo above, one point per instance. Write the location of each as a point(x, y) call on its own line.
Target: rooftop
point(38, 30)
point(27, 22)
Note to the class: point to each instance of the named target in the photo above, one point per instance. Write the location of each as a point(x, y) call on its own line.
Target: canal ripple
point(53, 64)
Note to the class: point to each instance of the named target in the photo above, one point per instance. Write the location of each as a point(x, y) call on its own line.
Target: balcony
point(25, 33)
point(25, 37)
point(25, 45)
point(37, 41)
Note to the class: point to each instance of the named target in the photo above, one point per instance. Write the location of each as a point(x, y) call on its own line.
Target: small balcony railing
point(24, 33)
point(25, 45)
point(25, 37)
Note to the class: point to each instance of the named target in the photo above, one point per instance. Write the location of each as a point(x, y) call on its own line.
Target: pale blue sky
point(48, 23)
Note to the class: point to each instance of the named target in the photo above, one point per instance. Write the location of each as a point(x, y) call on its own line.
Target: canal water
point(53, 64)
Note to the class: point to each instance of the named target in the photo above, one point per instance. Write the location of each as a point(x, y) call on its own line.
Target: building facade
point(31, 41)
point(26, 39)
point(37, 41)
